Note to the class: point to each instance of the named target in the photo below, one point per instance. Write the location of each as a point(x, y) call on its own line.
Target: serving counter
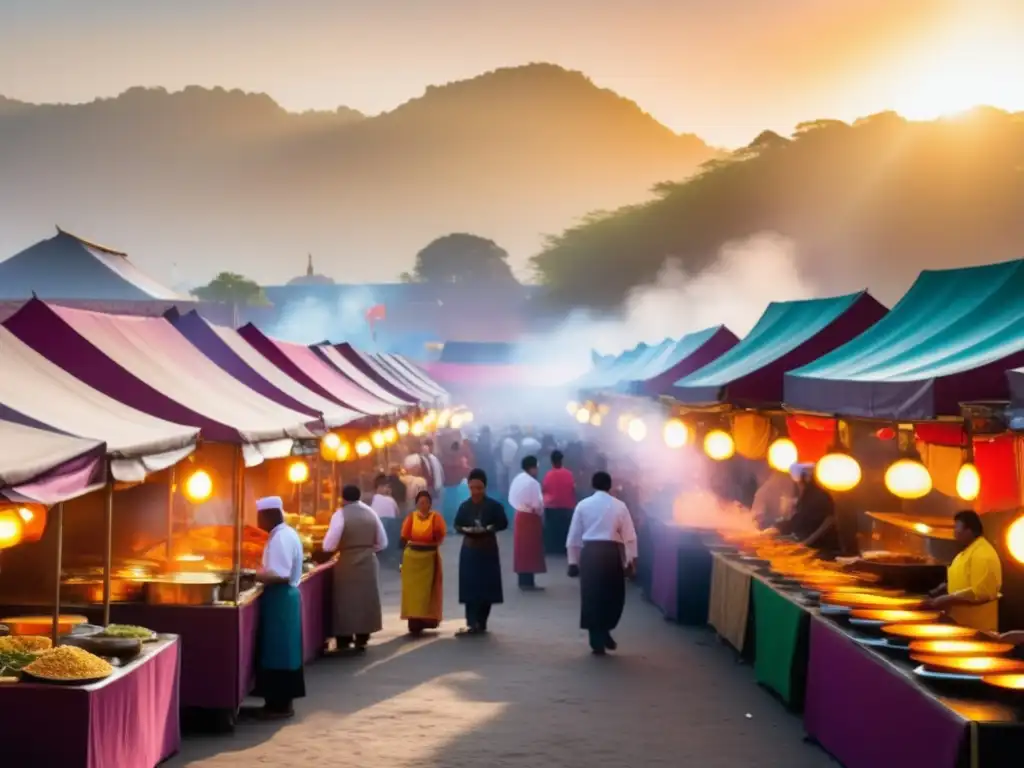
point(128, 720)
point(680, 572)
point(218, 642)
point(869, 711)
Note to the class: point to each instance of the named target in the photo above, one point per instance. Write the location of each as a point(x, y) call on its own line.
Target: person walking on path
point(279, 673)
point(559, 488)
point(422, 571)
point(478, 520)
point(601, 549)
point(357, 534)
point(527, 499)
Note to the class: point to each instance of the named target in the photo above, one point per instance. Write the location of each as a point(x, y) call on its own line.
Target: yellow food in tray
point(68, 663)
point(25, 644)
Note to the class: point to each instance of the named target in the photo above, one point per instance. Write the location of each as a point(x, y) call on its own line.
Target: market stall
point(722, 406)
point(381, 376)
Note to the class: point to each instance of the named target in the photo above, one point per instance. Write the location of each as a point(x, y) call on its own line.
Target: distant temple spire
point(309, 265)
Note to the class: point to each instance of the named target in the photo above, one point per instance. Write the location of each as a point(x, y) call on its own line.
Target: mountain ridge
point(208, 179)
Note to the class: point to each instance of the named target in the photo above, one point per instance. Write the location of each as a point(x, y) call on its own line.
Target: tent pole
point(172, 474)
point(108, 547)
point(55, 629)
point(237, 493)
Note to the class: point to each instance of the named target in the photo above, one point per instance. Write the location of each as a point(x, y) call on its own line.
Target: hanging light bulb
point(596, 419)
point(1015, 539)
point(908, 479)
point(331, 441)
point(363, 448)
point(444, 418)
point(675, 433)
point(343, 453)
point(456, 421)
point(377, 438)
point(467, 417)
point(838, 472)
point(199, 486)
point(417, 429)
point(11, 528)
point(583, 415)
point(719, 445)
point(571, 407)
point(403, 427)
point(637, 430)
point(298, 472)
point(390, 436)
point(430, 418)
point(782, 454)
point(968, 482)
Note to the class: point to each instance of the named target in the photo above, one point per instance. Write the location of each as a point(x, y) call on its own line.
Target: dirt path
point(528, 696)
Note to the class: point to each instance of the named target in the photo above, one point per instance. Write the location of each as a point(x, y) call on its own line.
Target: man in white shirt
point(527, 499)
point(601, 547)
point(434, 473)
point(357, 534)
point(387, 510)
point(279, 675)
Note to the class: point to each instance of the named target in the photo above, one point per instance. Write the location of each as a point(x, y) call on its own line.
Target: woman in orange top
point(422, 582)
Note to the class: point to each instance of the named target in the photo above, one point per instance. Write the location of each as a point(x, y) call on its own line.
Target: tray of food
point(130, 632)
point(67, 665)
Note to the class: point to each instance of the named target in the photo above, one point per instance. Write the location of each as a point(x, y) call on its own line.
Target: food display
point(25, 644)
point(960, 647)
point(129, 632)
point(895, 616)
point(862, 600)
point(68, 664)
point(42, 625)
point(930, 631)
point(1010, 682)
point(970, 665)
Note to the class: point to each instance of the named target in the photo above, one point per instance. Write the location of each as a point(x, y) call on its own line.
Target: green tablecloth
point(781, 630)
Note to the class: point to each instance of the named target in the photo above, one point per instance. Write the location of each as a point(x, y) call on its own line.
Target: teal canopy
point(692, 351)
point(949, 340)
point(788, 335)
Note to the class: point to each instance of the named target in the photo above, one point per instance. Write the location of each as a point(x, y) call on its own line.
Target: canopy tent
point(693, 351)
point(412, 383)
point(231, 352)
point(620, 368)
point(146, 364)
point(381, 376)
point(416, 375)
point(788, 335)
point(949, 340)
point(68, 267)
point(305, 366)
point(48, 467)
point(38, 393)
point(352, 372)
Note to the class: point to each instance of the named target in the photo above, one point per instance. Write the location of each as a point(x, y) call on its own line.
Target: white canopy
point(28, 455)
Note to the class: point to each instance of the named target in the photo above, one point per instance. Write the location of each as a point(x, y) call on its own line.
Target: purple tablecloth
point(665, 570)
point(316, 589)
point(130, 720)
point(868, 714)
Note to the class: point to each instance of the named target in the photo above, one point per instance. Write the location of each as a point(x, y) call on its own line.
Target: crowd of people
point(597, 535)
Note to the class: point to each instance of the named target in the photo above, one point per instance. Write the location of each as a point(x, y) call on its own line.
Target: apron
point(280, 628)
point(357, 609)
point(528, 544)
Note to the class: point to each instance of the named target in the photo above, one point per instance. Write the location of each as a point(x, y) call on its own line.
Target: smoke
point(311, 320)
point(747, 275)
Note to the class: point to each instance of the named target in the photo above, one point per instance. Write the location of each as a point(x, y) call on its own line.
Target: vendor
point(971, 593)
point(813, 521)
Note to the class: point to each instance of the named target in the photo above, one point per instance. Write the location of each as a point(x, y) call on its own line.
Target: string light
point(675, 433)
point(298, 472)
point(719, 445)
point(199, 486)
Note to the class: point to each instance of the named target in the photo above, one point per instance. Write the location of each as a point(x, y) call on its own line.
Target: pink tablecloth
point(129, 720)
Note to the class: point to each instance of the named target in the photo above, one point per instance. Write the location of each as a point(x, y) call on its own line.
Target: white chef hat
point(269, 502)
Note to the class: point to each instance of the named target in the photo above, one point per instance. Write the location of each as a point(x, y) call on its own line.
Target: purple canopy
point(145, 363)
point(48, 467)
point(381, 376)
point(227, 348)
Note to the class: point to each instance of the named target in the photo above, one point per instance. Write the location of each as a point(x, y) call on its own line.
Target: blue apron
point(280, 646)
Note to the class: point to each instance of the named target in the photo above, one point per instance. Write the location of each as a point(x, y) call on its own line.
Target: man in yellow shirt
point(971, 593)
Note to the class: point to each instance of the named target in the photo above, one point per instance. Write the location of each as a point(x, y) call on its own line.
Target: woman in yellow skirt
point(422, 580)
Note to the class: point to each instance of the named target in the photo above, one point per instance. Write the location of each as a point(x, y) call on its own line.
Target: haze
point(723, 69)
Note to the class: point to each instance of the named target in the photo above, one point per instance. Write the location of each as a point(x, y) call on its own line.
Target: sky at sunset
point(724, 69)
